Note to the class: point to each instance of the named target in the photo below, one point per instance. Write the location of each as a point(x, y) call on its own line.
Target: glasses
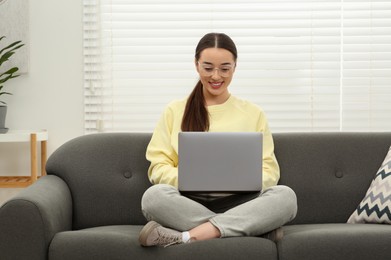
point(208, 70)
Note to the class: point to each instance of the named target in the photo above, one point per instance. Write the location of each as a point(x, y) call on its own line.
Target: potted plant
point(6, 75)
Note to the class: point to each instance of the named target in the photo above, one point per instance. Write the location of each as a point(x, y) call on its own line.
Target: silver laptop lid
point(220, 161)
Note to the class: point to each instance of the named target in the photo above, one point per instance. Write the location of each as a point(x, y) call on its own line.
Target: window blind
point(366, 81)
point(312, 65)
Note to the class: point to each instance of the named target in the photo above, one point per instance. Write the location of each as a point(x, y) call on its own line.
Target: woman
point(175, 218)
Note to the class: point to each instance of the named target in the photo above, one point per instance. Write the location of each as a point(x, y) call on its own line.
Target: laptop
point(220, 162)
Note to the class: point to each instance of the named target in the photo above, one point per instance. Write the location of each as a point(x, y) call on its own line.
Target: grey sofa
point(88, 206)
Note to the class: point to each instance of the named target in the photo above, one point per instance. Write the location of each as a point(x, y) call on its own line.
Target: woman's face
point(216, 67)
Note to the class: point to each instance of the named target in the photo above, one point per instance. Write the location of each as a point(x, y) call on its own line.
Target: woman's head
point(216, 40)
point(215, 60)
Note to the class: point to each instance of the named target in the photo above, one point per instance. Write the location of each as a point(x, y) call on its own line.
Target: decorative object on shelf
point(6, 75)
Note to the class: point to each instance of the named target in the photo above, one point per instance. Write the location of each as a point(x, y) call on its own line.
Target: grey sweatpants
point(236, 215)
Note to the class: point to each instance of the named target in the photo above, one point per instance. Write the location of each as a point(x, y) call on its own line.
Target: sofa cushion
point(121, 242)
point(330, 172)
point(335, 241)
point(376, 205)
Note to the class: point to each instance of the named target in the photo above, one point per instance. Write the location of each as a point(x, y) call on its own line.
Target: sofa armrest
point(29, 221)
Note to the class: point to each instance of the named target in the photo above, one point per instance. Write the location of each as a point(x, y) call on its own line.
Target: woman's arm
point(271, 169)
point(161, 154)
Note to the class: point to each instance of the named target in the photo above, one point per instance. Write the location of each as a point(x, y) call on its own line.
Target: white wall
point(50, 95)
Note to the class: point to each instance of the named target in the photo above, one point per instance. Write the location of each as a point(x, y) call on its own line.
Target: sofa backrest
point(330, 172)
point(106, 174)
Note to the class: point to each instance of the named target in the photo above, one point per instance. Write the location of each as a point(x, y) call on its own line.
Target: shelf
point(15, 181)
point(32, 137)
point(23, 136)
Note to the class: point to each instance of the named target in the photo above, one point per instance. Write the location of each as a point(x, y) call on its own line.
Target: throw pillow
point(376, 205)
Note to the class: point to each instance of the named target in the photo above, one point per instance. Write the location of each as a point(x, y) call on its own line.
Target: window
point(312, 65)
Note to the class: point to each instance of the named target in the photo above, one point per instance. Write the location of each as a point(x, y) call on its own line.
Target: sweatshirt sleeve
point(161, 154)
point(271, 169)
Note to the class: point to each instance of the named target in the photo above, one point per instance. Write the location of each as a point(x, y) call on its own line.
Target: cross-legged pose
point(176, 218)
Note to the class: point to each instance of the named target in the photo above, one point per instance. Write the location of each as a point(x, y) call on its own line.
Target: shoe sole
point(144, 233)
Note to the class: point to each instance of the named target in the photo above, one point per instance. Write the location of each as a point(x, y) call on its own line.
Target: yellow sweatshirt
point(235, 115)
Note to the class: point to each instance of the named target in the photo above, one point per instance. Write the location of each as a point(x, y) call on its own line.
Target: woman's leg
point(204, 231)
point(165, 205)
point(272, 209)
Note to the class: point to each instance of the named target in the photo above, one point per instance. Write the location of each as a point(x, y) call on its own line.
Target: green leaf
point(12, 46)
point(5, 79)
point(10, 71)
point(10, 51)
point(5, 57)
